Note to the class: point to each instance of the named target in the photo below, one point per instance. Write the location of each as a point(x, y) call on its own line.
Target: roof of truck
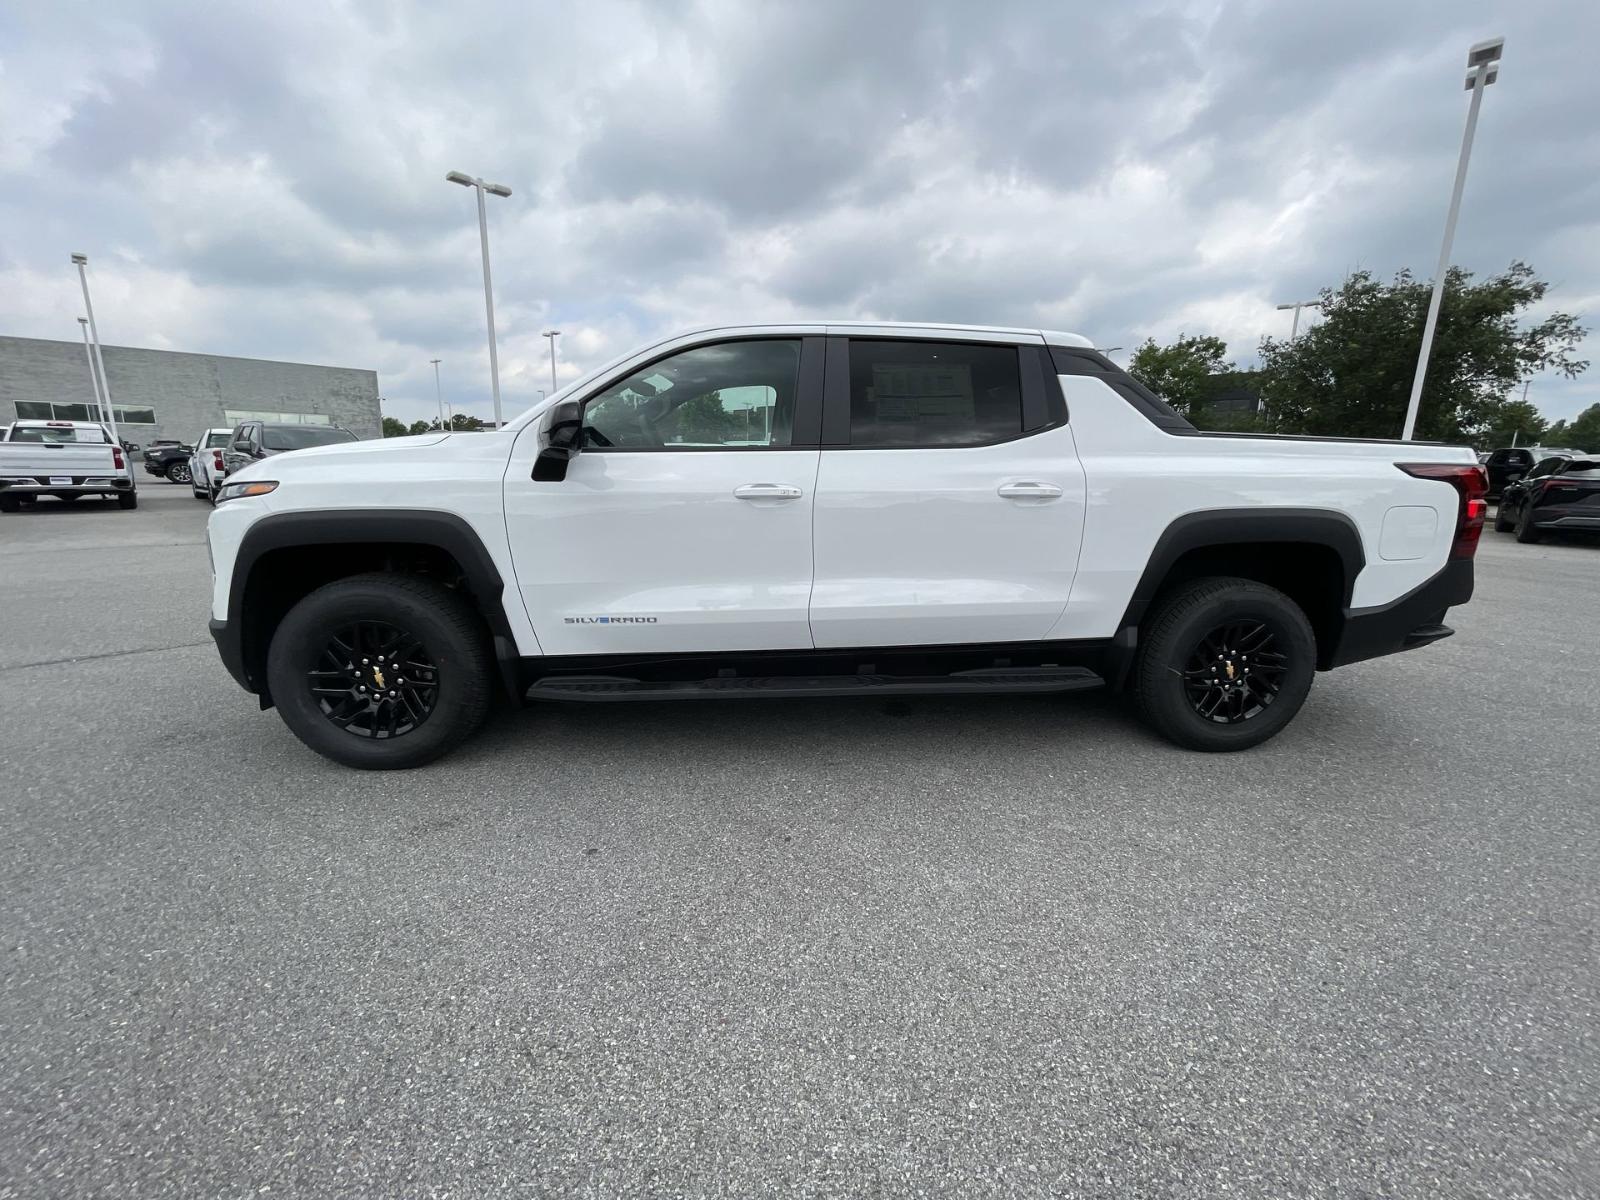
point(1052, 337)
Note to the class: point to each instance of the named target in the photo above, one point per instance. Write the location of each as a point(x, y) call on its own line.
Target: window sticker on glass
point(913, 392)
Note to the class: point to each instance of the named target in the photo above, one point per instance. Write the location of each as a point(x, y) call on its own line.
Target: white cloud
point(269, 180)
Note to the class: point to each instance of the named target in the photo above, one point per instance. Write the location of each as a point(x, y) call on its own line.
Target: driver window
point(1547, 467)
point(728, 396)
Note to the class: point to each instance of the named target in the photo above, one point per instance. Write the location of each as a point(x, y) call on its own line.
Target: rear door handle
point(767, 491)
point(1029, 490)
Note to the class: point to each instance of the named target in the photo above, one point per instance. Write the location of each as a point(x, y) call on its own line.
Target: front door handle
point(767, 491)
point(1029, 490)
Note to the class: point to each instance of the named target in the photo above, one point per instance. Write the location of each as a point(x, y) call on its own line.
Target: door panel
point(946, 546)
point(655, 552)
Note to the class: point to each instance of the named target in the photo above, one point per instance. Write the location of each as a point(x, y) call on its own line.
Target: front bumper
point(231, 649)
point(1415, 619)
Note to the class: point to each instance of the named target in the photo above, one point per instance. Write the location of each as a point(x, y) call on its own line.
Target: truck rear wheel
point(1224, 664)
point(381, 671)
point(127, 499)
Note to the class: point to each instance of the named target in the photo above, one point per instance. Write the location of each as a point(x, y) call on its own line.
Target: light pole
point(438, 392)
point(1481, 72)
point(552, 334)
point(94, 376)
point(1294, 326)
point(81, 261)
point(494, 189)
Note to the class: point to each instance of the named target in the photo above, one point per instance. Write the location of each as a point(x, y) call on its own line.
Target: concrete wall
point(188, 391)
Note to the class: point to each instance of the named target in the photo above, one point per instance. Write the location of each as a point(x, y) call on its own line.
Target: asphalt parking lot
point(1004, 945)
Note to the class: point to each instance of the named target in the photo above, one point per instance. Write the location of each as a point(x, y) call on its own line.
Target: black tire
point(127, 500)
point(10, 504)
point(200, 495)
point(1502, 523)
point(448, 633)
point(1527, 531)
point(178, 472)
point(1178, 638)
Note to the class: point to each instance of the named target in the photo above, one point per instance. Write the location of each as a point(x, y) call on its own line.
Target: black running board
point(992, 681)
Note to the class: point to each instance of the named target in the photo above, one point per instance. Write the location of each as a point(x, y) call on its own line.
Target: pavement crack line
point(56, 662)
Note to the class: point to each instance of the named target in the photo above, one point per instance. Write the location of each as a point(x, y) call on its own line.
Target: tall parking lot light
point(552, 334)
point(438, 393)
point(1294, 326)
point(1482, 70)
point(494, 189)
point(81, 261)
point(94, 375)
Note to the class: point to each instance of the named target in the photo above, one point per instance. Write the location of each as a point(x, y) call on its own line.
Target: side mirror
point(563, 439)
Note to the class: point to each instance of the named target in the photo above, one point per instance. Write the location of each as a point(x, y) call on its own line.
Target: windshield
point(306, 435)
point(218, 438)
point(57, 433)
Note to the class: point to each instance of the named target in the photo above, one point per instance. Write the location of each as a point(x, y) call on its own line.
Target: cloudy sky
point(268, 179)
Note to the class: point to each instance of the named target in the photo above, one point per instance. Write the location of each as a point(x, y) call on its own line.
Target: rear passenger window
point(905, 394)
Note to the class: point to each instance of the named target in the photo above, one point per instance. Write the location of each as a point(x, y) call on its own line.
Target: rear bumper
point(231, 649)
point(1559, 518)
point(1415, 619)
point(83, 484)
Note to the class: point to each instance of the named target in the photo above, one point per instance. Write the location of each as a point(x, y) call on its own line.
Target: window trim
point(1042, 398)
point(807, 399)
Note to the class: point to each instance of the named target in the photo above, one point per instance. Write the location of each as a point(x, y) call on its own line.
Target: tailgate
point(1578, 494)
point(56, 458)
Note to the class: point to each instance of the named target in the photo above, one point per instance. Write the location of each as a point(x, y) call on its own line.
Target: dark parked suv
point(254, 440)
point(1513, 462)
point(1560, 495)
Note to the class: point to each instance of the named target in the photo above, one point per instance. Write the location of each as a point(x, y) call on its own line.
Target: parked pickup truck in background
point(831, 510)
point(64, 459)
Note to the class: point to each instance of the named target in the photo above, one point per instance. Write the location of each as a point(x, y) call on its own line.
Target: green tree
point(703, 419)
point(1583, 432)
point(465, 423)
point(422, 426)
point(1181, 374)
point(1351, 373)
point(1513, 420)
point(394, 428)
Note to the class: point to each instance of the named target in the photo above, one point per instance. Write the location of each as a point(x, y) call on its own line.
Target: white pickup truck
point(831, 510)
point(64, 459)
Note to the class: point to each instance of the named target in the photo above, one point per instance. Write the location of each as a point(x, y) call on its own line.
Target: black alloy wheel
point(374, 680)
point(382, 671)
point(1224, 663)
point(1235, 672)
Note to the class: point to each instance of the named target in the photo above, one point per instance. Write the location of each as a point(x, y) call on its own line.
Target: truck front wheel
point(1224, 664)
point(381, 671)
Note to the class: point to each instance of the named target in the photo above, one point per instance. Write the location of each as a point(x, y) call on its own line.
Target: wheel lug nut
point(365, 662)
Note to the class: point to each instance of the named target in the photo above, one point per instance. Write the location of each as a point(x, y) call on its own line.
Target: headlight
point(252, 487)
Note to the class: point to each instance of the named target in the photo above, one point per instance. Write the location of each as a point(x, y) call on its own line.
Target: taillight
point(1472, 485)
point(116, 457)
point(216, 460)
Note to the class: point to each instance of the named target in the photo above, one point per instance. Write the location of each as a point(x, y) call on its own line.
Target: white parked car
point(208, 464)
point(64, 459)
point(831, 510)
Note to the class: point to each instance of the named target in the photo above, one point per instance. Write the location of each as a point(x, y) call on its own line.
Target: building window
point(235, 415)
point(38, 410)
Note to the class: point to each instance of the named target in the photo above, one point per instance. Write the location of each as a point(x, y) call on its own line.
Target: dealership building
point(165, 394)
